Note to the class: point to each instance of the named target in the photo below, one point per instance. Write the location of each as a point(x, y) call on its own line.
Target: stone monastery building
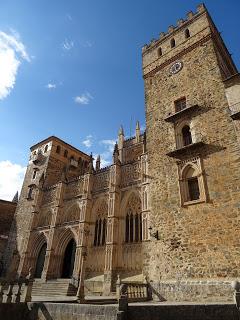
point(167, 210)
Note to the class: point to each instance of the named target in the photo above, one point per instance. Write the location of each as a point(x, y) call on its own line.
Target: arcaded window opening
point(186, 136)
point(100, 232)
point(58, 150)
point(133, 221)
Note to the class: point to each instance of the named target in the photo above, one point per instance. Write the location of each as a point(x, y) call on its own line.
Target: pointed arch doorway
point(69, 259)
point(40, 261)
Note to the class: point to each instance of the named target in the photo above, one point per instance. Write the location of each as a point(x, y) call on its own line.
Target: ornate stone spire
point(90, 165)
point(120, 137)
point(15, 198)
point(98, 163)
point(116, 154)
point(137, 132)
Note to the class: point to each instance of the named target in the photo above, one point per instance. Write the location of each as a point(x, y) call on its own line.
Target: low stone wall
point(70, 311)
point(193, 291)
point(184, 312)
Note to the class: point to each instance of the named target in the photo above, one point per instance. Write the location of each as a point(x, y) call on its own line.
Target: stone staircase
point(53, 288)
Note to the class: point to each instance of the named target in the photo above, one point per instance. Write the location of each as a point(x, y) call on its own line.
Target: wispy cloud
point(51, 86)
point(12, 51)
point(69, 17)
point(67, 45)
point(83, 98)
point(106, 154)
point(87, 44)
point(11, 178)
point(88, 142)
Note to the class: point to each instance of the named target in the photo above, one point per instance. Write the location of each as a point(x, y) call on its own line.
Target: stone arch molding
point(70, 214)
point(126, 198)
point(100, 209)
point(184, 168)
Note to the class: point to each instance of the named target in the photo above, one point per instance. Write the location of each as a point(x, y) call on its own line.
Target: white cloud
point(67, 45)
point(87, 44)
point(11, 178)
point(109, 144)
point(88, 141)
point(12, 50)
point(83, 98)
point(51, 86)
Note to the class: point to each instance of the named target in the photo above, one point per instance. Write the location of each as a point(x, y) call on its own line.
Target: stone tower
point(51, 161)
point(193, 161)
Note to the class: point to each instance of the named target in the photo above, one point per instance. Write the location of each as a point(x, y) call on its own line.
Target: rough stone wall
point(7, 210)
point(198, 241)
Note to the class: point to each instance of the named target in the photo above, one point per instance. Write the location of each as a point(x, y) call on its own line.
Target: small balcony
point(187, 146)
point(235, 111)
point(172, 117)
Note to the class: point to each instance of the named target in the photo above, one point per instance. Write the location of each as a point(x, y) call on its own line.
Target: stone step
point(61, 287)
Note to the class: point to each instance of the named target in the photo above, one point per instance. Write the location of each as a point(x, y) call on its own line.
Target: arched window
point(100, 232)
point(133, 220)
point(58, 150)
point(65, 153)
point(186, 135)
point(46, 148)
point(173, 43)
point(191, 184)
point(187, 33)
point(159, 52)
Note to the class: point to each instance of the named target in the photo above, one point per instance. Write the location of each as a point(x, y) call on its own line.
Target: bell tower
point(193, 157)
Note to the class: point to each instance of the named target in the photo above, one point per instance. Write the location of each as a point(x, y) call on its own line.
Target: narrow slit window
point(187, 33)
point(173, 43)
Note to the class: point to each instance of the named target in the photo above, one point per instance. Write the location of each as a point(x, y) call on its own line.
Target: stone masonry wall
point(198, 241)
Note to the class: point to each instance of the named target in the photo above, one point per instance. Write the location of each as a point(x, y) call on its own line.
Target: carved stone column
point(110, 276)
point(81, 250)
point(144, 191)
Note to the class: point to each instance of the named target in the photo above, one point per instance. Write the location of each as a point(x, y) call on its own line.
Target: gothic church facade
point(168, 208)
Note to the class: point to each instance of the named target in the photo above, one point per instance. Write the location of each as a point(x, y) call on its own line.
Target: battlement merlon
point(200, 28)
point(173, 29)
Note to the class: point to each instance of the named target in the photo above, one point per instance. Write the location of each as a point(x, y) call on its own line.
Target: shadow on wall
point(11, 255)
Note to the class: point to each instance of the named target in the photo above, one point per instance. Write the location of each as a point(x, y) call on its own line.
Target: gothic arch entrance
point(40, 261)
point(68, 260)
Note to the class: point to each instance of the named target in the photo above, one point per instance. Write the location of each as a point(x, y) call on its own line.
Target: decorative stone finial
point(90, 165)
point(190, 14)
point(137, 132)
point(116, 154)
point(98, 163)
point(121, 132)
point(162, 35)
point(201, 7)
point(171, 28)
point(15, 198)
point(180, 22)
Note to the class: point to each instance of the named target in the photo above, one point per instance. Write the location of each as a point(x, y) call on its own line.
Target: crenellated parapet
point(173, 29)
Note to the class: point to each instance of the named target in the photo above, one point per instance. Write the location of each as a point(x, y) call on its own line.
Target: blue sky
point(73, 69)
